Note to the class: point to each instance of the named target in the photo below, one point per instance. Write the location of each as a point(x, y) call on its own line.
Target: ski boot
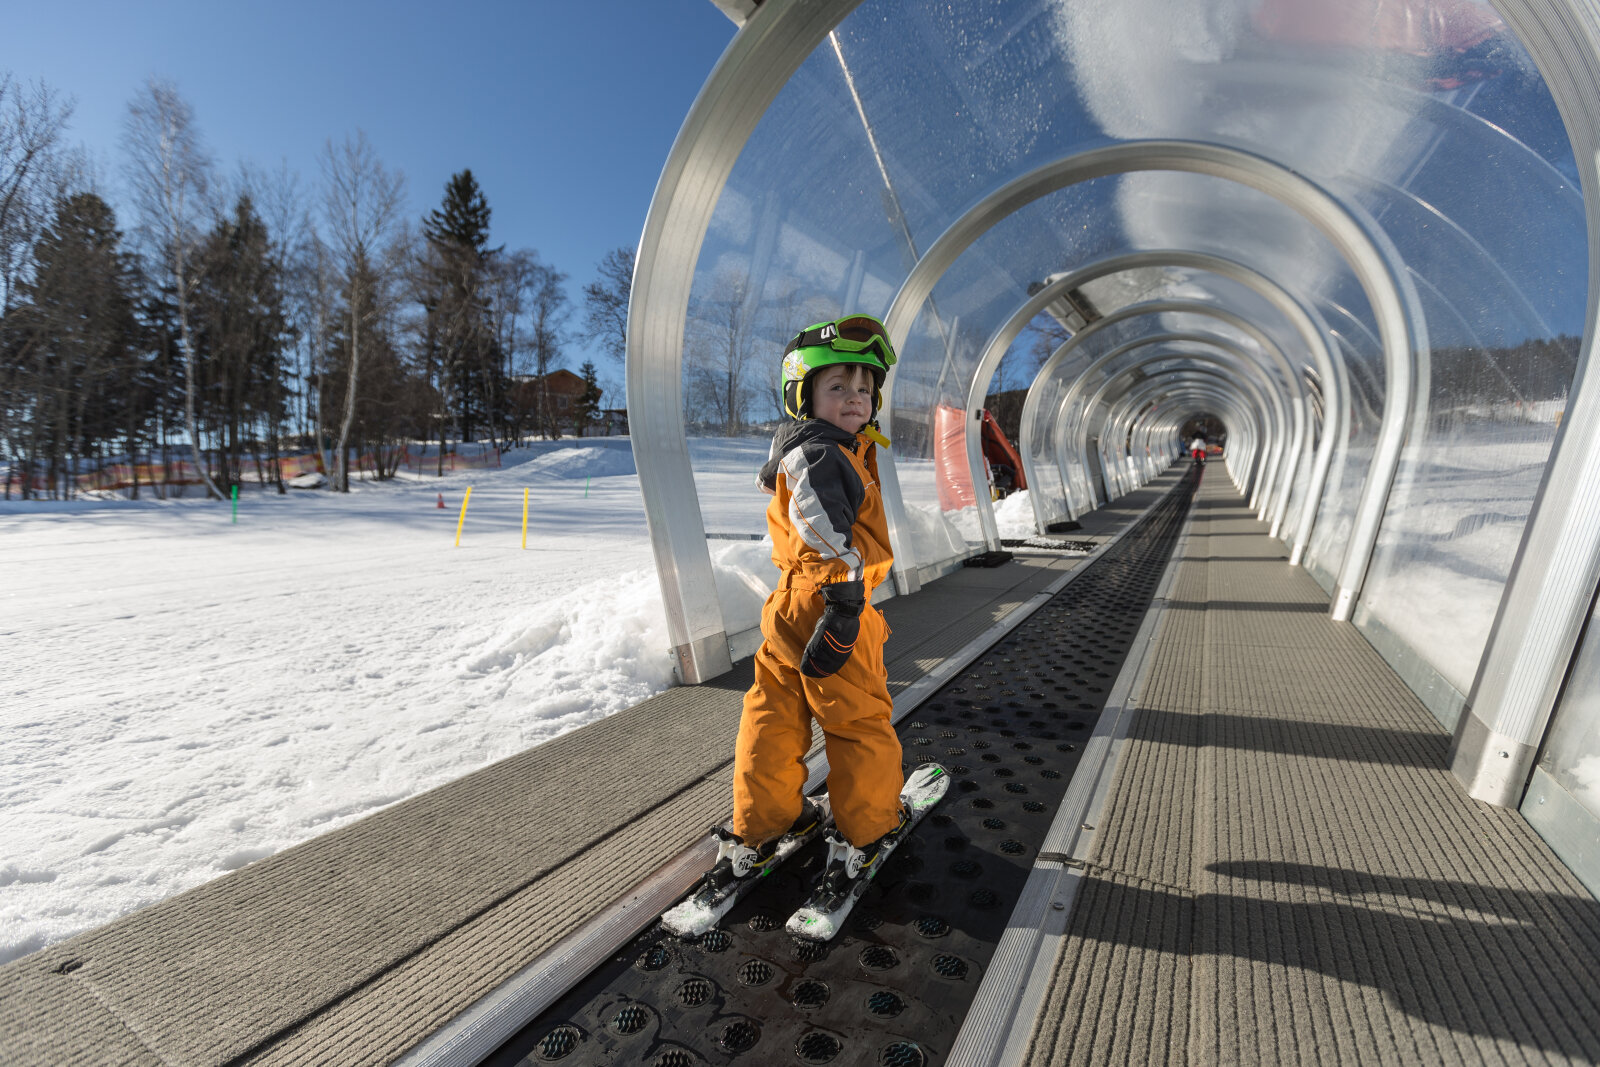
point(844, 879)
point(737, 869)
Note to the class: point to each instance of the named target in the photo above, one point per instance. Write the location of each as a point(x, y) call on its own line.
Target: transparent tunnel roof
point(1424, 119)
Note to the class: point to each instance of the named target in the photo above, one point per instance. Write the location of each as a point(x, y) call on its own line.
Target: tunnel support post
point(1552, 584)
point(764, 54)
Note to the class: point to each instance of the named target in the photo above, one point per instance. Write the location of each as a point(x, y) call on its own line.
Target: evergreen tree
point(243, 334)
point(74, 342)
point(456, 295)
point(588, 408)
point(462, 221)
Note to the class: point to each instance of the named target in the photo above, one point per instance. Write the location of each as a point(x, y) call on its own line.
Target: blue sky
point(564, 111)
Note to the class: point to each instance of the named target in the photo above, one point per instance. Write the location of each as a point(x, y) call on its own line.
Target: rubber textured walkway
point(895, 985)
point(1287, 873)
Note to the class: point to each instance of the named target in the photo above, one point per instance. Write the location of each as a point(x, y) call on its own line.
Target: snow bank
point(1014, 515)
point(598, 461)
point(745, 575)
point(934, 538)
point(577, 659)
point(1585, 782)
point(184, 696)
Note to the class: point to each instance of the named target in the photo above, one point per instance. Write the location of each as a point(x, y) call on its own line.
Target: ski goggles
point(854, 333)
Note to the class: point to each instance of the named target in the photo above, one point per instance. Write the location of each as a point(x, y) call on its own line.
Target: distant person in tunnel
point(822, 654)
point(1197, 449)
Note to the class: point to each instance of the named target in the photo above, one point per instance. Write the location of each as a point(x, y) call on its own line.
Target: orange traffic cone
point(441, 500)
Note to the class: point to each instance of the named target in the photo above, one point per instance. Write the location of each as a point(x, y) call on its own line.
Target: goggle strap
point(877, 347)
point(827, 333)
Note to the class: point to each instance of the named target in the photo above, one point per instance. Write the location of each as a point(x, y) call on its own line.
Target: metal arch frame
point(1562, 37)
point(1030, 414)
point(1132, 422)
point(1189, 397)
point(1216, 389)
point(1436, 110)
point(1075, 429)
point(1111, 393)
point(1161, 422)
point(757, 64)
point(1303, 506)
point(1241, 429)
point(1301, 316)
point(1358, 330)
point(759, 61)
point(1073, 447)
point(1149, 432)
point(1165, 431)
point(1065, 461)
point(1238, 421)
point(1287, 448)
point(1371, 256)
point(1143, 398)
point(1182, 393)
point(1155, 428)
point(1352, 391)
point(1071, 430)
point(1275, 295)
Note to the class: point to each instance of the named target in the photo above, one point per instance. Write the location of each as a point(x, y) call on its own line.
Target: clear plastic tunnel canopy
point(1425, 124)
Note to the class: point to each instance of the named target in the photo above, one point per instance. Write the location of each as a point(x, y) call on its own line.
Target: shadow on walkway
point(1293, 737)
point(1508, 965)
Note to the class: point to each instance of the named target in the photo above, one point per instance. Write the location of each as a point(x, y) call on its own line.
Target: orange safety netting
point(954, 480)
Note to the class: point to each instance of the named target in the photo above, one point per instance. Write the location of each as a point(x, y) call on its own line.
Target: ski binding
point(822, 916)
point(706, 906)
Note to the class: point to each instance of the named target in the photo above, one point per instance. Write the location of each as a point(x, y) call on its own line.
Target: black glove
point(835, 636)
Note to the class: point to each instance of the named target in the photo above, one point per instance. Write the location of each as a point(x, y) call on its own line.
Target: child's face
point(842, 395)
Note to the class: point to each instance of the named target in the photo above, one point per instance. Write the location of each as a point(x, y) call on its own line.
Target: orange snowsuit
point(828, 525)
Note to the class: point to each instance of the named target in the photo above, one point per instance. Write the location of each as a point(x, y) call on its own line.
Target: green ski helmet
point(859, 339)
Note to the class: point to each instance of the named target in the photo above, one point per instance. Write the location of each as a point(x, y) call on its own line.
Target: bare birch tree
point(547, 309)
point(280, 200)
point(725, 343)
point(605, 302)
point(170, 174)
point(32, 118)
point(514, 279)
point(361, 206)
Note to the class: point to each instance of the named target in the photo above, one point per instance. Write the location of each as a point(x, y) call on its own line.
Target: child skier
point(822, 657)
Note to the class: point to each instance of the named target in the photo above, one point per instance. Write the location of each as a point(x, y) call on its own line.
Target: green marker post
point(586, 478)
point(236, 503)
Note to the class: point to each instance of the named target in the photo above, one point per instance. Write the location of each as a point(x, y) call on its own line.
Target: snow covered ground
point(180, 695)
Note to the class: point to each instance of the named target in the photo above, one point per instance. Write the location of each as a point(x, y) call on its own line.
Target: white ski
point(821, 917)
point(705, 907)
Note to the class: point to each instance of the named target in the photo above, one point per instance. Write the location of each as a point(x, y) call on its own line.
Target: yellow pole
point(524, 519)
point(463, 520)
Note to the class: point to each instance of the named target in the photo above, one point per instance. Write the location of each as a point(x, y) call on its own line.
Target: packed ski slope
point(181, 695)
